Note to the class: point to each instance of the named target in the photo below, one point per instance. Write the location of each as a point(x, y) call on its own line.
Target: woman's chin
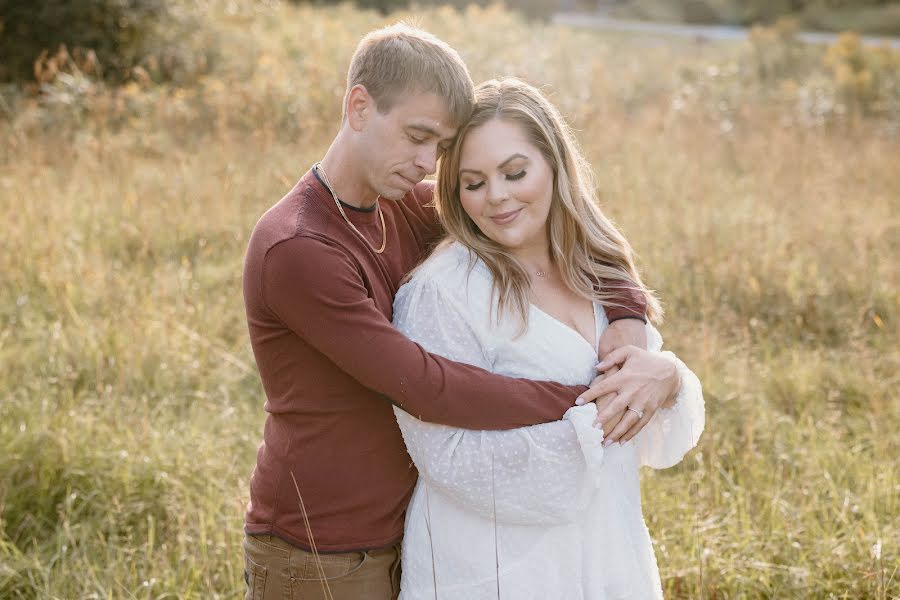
point(505, 242)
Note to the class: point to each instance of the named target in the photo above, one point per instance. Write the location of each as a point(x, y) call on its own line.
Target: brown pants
point(276, 570)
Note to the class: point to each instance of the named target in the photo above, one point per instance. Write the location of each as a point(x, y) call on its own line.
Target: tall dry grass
point(131, 408)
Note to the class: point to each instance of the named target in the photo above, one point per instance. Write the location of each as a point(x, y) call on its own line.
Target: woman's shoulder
point(454, 270)
point(453, 264)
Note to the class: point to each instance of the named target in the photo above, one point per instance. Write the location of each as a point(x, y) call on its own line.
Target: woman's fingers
point(616, 406)
point(636, 428)
point(629, 420)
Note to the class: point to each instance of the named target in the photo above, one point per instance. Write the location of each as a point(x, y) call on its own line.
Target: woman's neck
point(535, 258)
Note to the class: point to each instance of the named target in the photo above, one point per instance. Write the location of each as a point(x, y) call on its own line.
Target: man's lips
point(507, 217)
point(412, 183)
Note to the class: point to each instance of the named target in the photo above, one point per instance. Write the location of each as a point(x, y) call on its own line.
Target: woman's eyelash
point(513, 177)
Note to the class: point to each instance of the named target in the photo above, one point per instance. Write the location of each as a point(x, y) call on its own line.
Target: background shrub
point(118, 34)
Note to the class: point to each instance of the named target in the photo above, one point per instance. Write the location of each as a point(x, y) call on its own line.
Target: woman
point(544, 511)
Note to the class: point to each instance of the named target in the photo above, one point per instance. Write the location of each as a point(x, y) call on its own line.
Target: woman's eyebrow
point(500, 166)
point(511, 158)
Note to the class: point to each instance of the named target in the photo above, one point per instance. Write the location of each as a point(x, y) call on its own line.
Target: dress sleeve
point(317, 291)
point(530, 475)
point(673, 431)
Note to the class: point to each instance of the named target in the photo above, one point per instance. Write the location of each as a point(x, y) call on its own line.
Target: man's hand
point(645, 382)
point(621, 333)
point(612, 419)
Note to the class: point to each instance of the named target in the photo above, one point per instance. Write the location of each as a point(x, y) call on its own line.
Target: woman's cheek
point(475, 206)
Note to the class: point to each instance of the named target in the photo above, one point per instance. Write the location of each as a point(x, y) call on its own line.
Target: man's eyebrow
point(424, 129)
point(428, 130)
point(503, 164)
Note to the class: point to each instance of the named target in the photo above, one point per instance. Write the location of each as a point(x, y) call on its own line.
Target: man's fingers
point(610, 423)
point(614, 358)
point(616, 405)
point(608, 372)
point(608, 385)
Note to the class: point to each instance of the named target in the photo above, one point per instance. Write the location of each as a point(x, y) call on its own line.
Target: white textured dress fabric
point(536, 512)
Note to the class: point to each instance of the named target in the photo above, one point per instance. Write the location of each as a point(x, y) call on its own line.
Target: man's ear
point(359, 107)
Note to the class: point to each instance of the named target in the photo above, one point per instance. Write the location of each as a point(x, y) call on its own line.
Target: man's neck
point(346, 179)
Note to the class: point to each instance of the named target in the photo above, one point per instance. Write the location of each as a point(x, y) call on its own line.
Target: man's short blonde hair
point(402, 59)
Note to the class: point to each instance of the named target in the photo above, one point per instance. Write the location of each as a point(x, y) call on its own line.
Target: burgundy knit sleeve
point(316, 291)
point(632, 304)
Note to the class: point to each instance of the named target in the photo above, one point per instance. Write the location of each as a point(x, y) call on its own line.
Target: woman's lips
point(507, 217)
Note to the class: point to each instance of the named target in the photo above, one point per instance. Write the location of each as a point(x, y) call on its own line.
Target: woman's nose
point(497, 192)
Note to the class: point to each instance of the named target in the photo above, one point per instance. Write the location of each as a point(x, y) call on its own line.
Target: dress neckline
point(595, 346)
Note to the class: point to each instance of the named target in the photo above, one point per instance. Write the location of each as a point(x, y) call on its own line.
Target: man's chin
point(395, 194)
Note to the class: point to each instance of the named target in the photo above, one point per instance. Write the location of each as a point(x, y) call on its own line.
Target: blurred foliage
point(866, 80)
point(118, 36)
point(531, 9)
point(870, 16)
point(801, 83)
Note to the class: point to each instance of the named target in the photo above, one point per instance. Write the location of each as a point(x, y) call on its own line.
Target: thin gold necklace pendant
point(337, 202)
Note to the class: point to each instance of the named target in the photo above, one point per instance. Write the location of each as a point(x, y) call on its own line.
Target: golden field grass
point(765, 213)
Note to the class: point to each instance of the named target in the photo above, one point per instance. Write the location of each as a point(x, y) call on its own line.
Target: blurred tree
point(118, 31)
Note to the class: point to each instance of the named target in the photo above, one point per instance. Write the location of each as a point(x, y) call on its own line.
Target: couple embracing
point(473, 313)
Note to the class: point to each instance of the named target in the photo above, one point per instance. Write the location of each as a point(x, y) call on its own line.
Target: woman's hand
point(612, 419)
point(644, 382)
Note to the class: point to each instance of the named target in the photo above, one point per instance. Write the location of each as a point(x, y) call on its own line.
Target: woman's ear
point(359, 107)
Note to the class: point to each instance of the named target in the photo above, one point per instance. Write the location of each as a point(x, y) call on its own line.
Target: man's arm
point(316, 290)
point(623, 332)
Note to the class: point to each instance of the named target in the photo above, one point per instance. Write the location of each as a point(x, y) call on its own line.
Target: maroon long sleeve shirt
point(319, 304)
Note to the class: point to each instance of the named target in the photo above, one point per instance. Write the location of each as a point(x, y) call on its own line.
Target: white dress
point(537, 512)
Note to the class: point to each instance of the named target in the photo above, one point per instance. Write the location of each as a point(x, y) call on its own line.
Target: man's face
point(401, 147)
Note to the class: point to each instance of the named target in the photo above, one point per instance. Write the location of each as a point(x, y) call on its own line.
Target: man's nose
point(426, 159)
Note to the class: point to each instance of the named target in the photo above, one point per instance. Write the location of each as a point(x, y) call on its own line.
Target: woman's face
point(505, 185)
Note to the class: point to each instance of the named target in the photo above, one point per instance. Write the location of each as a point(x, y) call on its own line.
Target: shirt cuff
point(615, 318)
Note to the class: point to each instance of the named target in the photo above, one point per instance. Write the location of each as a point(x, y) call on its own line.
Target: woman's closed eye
point(509, 177)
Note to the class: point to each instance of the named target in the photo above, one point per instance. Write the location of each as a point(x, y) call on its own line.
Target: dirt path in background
point(698, 32)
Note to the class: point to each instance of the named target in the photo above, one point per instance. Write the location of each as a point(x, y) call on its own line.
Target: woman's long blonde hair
point(594, 258)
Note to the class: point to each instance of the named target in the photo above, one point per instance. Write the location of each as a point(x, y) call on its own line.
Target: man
point(332, 479)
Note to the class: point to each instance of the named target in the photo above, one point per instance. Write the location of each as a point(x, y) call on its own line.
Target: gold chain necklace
point(318, 167)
